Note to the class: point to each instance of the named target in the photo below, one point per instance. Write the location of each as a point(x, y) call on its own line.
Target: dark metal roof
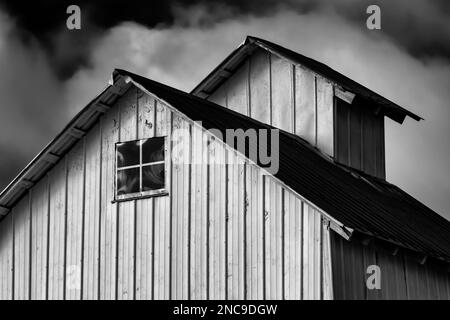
point(234, 60)
point(364, 203)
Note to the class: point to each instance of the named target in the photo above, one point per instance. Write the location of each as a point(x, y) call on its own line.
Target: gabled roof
point(225, 69)
point(363, 203)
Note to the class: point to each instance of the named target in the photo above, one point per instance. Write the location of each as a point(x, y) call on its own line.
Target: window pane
point(128, 154)
point(127, 181)
point(153, 177)
point(153, 150)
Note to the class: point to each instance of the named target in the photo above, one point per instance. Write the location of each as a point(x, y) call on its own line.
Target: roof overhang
point(344, 84)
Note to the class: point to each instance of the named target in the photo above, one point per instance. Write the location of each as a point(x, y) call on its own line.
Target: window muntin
point(140, 168)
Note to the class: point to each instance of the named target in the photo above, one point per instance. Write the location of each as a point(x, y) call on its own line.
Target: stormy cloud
point(419, 26)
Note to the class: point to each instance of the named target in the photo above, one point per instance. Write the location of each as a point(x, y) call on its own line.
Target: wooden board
point(162, 220)
point(415, 289)
point(6, 258)
point(254, 234)
point(273, 240)
point(327, 272)
point(370, 258)
point(217, 220)
point(305, 105)
point(381, 162)
point(282, 93)
point(237, 90)
point(56, 273)
point(126, 214)
point(235, 228)
point(317, 270)
point(393, 286)
point(325, 116)
point(260, 86)
point(293, 244)
point(369, 141)
point(312, 280)
point(108, 209)
point(22, 238)
point(145, 209)
point(180, 208)
point(199, 215)
point(342, 152)
point(355, 137)
point(75, 212)
point(91, 215)
point(39, 229)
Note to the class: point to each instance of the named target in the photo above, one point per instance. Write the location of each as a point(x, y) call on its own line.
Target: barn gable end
point(222, 232)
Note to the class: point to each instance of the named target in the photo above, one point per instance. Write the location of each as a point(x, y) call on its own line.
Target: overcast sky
point(49, 73)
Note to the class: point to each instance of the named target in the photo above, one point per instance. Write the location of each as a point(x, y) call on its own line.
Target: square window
point(140, 168)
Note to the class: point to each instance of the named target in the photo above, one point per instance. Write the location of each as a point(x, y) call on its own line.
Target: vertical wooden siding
point(145, 213)
point(402, 276)
point(6, 258)
point(360, 138)
point(273, 90)
point(223, 232)
point(56, 251)
point(39, 231)
point(91, 232)
point(22, 232)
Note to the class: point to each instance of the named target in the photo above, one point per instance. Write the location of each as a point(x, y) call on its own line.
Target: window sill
point(154, 195)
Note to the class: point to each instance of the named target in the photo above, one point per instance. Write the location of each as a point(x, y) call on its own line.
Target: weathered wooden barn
point(139, 197)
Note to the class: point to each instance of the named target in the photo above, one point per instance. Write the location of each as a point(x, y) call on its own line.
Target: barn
point(142, 197)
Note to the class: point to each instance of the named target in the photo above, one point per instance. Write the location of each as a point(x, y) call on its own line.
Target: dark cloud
point(68, 51)
point(45, 21)
point(421, 27)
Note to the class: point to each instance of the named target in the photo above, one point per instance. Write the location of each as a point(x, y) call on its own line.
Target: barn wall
point(360, 138)
point(223, 232)
point(274, 91)
point(402, 276)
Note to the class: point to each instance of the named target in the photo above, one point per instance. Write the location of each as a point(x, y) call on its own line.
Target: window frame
point(148, 193)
